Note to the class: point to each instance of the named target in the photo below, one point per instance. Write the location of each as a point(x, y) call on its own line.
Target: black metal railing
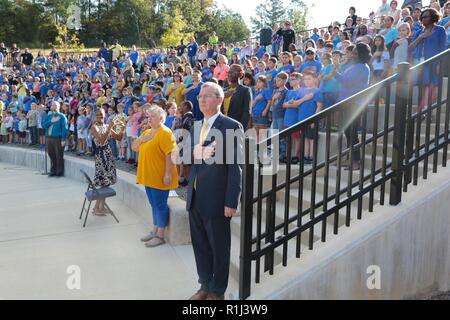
point(286, 208)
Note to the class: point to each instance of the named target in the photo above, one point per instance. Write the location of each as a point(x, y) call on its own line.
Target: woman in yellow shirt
point(156, 170)
point(174, 91)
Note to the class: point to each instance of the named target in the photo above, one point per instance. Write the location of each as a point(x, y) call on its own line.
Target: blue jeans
point(275, 48)
point(160, 209)
point(34, 135)
point(192, 61)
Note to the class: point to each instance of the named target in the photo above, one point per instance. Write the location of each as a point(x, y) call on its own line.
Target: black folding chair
point(93, 194)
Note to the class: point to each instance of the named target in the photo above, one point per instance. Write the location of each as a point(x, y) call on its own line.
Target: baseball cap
point(311, 49)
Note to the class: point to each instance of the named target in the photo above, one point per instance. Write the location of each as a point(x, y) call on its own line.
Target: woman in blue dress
point(353, 80)
point(430, 41)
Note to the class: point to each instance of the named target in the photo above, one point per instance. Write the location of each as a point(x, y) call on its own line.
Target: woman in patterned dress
point(105, 167)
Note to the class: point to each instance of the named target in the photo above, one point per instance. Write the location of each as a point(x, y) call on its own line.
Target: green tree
point(228, 25)
point(66, 39)
point(272, 11)
point(297, 13)
point(149, 23)
point(174, 33)
point(267, 14)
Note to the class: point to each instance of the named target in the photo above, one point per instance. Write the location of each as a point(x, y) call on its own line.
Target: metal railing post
point(246, 222)
point(398, 152)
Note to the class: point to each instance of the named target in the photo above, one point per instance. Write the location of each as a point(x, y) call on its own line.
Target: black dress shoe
point(215, 296)
point(200, 295)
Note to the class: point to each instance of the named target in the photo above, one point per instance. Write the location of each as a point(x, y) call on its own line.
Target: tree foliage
point(66, 39)
point(146, 23)
point(275, 11)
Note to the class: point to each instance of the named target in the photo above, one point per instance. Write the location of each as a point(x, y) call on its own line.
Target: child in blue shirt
point(260, 106)
point(311, 104)
point(294, 98)
point(171, 111)
point(271, 72)
point(287, 63)
point(311, 64)
point(277, 110)
point(328, 84)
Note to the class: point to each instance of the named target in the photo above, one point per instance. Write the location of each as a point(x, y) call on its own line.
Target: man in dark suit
point(214, 191)
point(236, 104)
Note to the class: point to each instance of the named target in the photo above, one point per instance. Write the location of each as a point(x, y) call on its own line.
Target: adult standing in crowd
point(222, 69)
point(3, 49)
point(288, 35)
point(430, 41)
point(55, 125)
point(352, 15)
point(27, 57)
point(116, 50)
point(394, 11)
point(213, 193)
point(105, 167)
point(276, 40)
point(192, 91)
point(213, 39)
point(353, 80)
point(445, 22)
point(14, 52)
point(412, 3)
point(156, 171)
point(192, 51)
point(4, 52)
point(54, 54)
point(383, 10)
point(236, 103)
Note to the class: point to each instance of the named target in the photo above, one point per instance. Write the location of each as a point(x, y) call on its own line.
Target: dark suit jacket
point(240, 105)
point(218, 184)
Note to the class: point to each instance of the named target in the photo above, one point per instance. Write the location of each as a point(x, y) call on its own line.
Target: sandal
point(154, 242)
point(98, 213)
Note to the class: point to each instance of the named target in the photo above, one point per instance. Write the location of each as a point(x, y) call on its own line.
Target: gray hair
point(159, 111)
point(57, 104)
point(217, 89)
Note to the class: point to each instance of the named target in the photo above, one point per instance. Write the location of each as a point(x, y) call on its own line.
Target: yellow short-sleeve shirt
point(152, 160)
point(177, 94)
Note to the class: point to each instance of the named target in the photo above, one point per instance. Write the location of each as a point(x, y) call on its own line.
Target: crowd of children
point(287, 87)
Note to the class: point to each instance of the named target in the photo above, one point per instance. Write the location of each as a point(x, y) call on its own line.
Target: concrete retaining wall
point(131, 194)
point(409, 243)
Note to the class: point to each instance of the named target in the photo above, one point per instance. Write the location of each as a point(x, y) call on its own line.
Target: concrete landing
point(41, 236)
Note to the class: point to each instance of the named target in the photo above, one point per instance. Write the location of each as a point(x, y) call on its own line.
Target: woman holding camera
point(105, 167)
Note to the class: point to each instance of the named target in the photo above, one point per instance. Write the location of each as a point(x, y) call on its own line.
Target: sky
point(323, 12)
